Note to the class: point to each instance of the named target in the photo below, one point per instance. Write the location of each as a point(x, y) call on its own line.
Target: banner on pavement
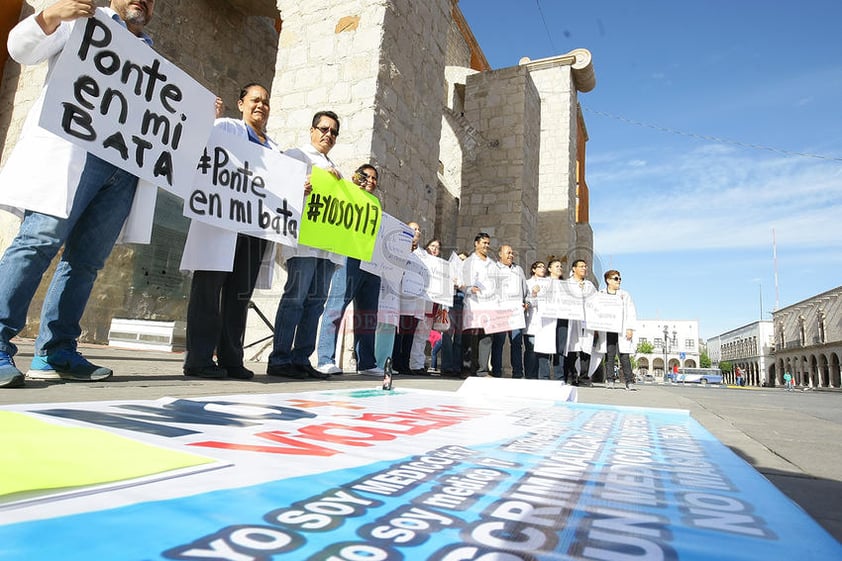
point(372, 474)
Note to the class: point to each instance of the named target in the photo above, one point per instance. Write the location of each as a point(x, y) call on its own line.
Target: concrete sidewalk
point(801, 456)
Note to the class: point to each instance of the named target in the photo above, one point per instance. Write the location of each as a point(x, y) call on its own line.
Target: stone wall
point(557, 200)
point(500, 185)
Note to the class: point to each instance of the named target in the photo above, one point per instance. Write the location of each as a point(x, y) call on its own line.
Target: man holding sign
point(309, 271)
point(98, 197)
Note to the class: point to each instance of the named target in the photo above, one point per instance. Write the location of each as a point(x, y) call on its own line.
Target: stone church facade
point(460, 147)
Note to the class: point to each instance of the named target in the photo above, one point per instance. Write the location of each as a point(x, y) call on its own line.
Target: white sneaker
point(329, 368)
point(373, 372)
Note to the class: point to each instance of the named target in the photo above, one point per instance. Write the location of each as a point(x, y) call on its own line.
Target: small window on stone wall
point(459, 99)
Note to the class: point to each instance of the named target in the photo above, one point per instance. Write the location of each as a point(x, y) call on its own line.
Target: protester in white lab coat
point(74, 200)
point(226, 266)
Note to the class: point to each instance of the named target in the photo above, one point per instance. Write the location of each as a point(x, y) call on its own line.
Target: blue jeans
point(384, 342)
point(301, 306)
point(515, 352)
point(364, 289)
point(350, 283)
point(434, 354)
point(331, 318)
point(102, 202)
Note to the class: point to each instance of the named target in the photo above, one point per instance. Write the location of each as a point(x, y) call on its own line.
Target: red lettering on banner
point(421, 424)
point(296, 448)
point(347, 434)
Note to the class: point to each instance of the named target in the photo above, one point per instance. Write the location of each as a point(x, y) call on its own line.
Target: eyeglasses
point(367, 177)
point(325, 130)
point(618, 279)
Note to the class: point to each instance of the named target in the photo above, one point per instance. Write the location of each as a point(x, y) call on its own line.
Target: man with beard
point(77, 201)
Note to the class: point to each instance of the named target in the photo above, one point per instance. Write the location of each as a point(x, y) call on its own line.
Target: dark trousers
point(570, 366)
point(530, 357)
point(451, 351)
point(611, 352)
point(480, 350)
point(554, 366)
point(403, 343)
point(515, 352)
point(218, 308)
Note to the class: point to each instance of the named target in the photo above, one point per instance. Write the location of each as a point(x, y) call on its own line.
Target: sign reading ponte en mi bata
point(244, 187)
point(120, 100)
point(373, 475)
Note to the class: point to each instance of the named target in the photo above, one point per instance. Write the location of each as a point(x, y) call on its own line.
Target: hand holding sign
point(340, 217)
point(114, 97)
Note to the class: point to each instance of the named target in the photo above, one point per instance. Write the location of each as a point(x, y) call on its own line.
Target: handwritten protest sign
point(494, 321)
point(340, 217)
point(391, 249)
point(455, 263)
point(123, 102)
point(415, 277)
point(241, 186)
point(439, 287)
point(558, 301)
point(498, 304)
point(604, 312)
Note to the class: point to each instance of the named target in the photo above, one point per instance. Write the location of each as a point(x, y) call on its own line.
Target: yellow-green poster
point(340, 217)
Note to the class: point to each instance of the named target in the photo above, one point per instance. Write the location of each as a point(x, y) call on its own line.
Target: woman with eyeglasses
point(533, 322)
point(620, 344)
point(349, 284)
point(551, 335)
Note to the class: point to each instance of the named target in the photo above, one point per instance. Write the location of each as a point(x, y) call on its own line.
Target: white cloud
point(713, 197)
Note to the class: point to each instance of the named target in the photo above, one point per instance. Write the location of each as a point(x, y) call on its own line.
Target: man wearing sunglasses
point(309, 271)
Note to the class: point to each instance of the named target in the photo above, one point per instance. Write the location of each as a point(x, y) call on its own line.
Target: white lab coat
point(629, 321)
point(209, 248)
point(43, 170)
point(579, 337)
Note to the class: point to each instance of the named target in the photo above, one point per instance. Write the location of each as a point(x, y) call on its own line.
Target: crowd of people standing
point(86, 202)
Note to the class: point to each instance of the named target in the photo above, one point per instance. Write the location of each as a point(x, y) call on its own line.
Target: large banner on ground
point(120, 100)
point(376, 475)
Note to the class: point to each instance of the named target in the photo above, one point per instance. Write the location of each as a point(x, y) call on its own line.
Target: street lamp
point(666, 343)
point(666, 347)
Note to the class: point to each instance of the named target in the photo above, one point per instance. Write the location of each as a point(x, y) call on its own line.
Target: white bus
point(697, 376)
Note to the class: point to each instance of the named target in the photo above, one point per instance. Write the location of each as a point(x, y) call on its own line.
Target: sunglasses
point(325, 130)
point(618, 279)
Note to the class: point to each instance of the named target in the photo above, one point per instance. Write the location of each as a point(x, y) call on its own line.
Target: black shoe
point(310, 372)
point(418, 372)
point(285, 371)
point(210, 372)
point(239, 372)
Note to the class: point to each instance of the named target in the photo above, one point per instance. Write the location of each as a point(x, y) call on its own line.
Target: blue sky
point(726, 93)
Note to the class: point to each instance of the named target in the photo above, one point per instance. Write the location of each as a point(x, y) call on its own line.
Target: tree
point(725, 367)
point(704, 360)
point(645, 348)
